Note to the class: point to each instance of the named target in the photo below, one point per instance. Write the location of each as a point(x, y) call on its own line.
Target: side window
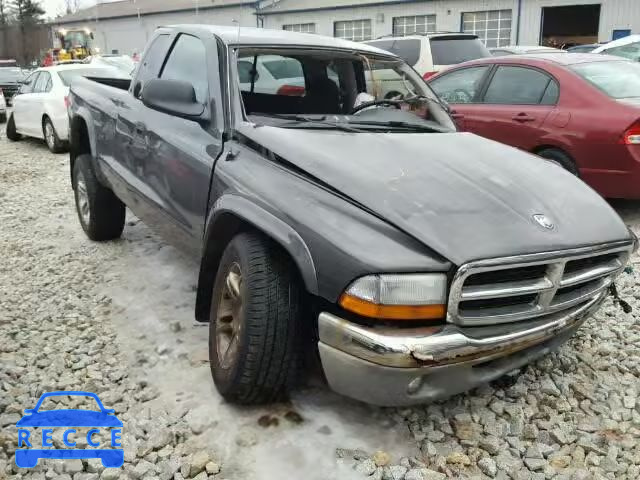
point(245, 71)
point(551, 94)
point(152, 61)
point(27, 86)
point(41, 84)
point(517, 86)
point(49, 85)
point(460, 86)
point(188, 62)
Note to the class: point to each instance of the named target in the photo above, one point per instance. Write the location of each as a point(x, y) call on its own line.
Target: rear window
point(616, 79)
point(453, 50)
point(67, 76)
point(284, 68)
point(408, 50)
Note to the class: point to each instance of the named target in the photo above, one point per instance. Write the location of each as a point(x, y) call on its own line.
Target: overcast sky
point(56, 7)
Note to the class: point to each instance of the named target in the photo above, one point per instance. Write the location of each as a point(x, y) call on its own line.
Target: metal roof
point(131, 8)
point(281, 6)
point(231, 35)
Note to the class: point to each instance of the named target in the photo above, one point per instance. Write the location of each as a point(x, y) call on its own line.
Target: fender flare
point(251, 213)
point(84, 114)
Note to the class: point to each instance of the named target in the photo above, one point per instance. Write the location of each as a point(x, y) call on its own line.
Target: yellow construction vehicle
point(73, 44)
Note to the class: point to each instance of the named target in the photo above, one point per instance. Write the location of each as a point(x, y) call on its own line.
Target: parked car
point(10, 80)
point(121, 62)
point(40, 106)
point(523, 50)
point(272, 74)
point(626, 47)
point(428, 54)
point(418, 261)
point(581, 111)
point(3, 108)
point(587, 48)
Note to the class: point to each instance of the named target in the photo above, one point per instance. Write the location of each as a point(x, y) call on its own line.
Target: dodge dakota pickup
point(331, 217)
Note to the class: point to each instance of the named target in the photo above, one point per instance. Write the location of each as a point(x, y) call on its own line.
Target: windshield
point(617, 79)
point(454, 50)
point(11, 75)
point(67, 76)
point(337, 89)
point(630, 51)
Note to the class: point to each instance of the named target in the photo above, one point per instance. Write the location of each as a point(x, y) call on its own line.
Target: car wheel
point(101, 213)
point(12, 133)
point(560, 158)
point(255, 332)
point(3, 117)
point(51, 137)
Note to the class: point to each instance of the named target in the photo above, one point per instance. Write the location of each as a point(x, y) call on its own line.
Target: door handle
point(523, 117)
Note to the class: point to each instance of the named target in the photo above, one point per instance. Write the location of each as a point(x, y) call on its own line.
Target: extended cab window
point(460, 86)
point(188, 62)
point(518, 86)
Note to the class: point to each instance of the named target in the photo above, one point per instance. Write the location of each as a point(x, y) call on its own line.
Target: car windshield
point(630, 51)
point(11, 75)
point(452, 50)
point(67, 76)
point(618, 79)
point(340, 89)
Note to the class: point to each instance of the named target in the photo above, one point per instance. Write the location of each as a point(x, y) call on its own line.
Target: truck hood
point(462, 195)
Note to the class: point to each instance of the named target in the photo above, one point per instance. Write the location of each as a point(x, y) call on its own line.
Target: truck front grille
point(530, 286)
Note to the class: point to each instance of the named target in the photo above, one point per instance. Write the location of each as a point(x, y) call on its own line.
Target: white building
point(125, 26)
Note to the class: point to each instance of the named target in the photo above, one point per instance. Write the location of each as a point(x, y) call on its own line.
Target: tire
point(3, 117)
point(260, 362)
point(12, 134)
point(561, 158)
point(51, 138)
point(101, 213)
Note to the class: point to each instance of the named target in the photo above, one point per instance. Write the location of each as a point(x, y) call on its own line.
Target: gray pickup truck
point(332, 218)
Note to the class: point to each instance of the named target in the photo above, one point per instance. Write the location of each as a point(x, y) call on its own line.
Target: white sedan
point(40, 106)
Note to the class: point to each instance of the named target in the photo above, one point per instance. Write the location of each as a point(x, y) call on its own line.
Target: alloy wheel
point(83, 199)
point(228, 317)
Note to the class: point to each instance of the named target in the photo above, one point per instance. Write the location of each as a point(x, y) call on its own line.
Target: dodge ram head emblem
point(544, 221)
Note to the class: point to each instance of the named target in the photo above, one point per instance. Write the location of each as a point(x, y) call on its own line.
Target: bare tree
point(4, 13)
point(72, 6)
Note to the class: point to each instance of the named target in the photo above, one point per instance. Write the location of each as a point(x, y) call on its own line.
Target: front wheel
point(561, 159)
point(100, 212)
point(255, 330)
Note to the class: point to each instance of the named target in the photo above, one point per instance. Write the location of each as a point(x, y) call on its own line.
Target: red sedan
point(580, 110)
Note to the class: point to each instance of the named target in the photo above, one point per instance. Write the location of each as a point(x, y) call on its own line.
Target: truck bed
point(121, 83)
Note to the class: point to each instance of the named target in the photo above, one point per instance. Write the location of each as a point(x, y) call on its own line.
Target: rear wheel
point(51, 137)
point(560, 158)
point(255, 333)
point(100, 212)
point(12, 133)
point(3, 117)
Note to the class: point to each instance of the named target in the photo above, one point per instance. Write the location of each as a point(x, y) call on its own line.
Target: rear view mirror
point(173, 97)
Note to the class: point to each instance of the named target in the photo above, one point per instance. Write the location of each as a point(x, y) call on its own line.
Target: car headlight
point(398, 296)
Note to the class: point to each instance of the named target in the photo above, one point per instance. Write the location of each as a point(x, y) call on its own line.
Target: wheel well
point(540, 148)
point(227, 226)
point(79, 140)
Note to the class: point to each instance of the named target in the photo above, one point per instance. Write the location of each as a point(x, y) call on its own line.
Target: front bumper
point(393, 366)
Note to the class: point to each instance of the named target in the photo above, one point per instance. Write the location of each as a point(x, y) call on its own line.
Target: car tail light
point(632, 135)
point(428, 75)
point(67, 102)
point(291, 91)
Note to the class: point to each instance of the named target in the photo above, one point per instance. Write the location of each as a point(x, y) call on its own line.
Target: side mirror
point(173, 97)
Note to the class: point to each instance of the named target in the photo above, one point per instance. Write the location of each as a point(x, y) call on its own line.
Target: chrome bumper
point(398, 366)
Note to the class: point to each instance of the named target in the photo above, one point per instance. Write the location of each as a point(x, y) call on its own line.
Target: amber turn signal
point(391, 312)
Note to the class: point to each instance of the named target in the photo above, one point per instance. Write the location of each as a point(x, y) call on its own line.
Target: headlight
point(398, 297)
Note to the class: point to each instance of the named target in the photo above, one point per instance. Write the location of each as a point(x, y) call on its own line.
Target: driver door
point(23, 105)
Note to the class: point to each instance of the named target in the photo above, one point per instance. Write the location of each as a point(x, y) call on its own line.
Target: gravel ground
point(117, 319)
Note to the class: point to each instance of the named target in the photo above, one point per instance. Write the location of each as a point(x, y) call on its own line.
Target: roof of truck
point(267, 37)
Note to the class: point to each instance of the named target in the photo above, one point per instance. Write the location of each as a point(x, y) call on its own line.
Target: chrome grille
point(530, 286)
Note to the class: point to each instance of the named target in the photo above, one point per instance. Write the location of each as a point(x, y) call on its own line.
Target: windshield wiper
point(297, 121)
point(403, 125)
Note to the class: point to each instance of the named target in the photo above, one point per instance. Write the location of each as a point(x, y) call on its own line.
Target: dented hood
point(461, 195)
